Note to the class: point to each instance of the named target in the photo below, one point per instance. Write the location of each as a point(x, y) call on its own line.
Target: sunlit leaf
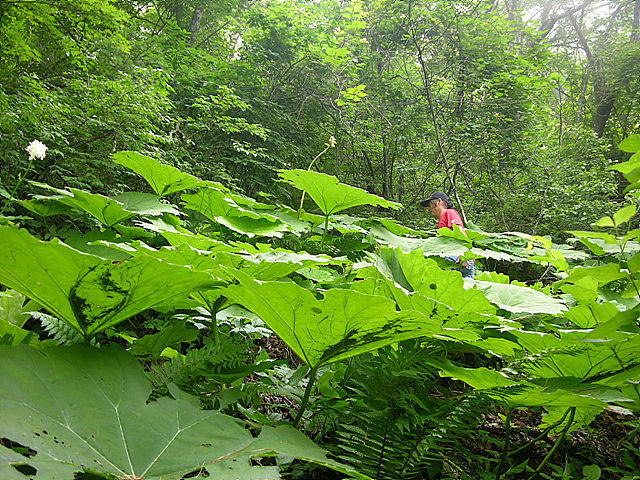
point(630, 144)
point(240, 217)
point(518, 299)
point(331, 196)
point(46, 206)
point(144, 204)
point(607, 237)
point(107, 210)
point(90, 293)
point(605, 222)
point(343, 324)
point(624, 214)
point(164, 179)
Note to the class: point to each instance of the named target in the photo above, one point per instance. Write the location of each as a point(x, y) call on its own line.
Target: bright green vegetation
point(568, 349)
point(214, 266)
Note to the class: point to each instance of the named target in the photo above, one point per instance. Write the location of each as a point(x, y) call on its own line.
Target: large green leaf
point(144, 204)
point(343, 324)
point(424, 276)
point(46, 206)
point(441, 245)
point(177, 235)
point(630, 144)
point(107, 210)
point(164, 179)
point(331, 196)
point(87, 292)
point(514, 298)
point(235, 212)
point(581, 356)
point(429, 246)
point(603, 274)
point(87, 408)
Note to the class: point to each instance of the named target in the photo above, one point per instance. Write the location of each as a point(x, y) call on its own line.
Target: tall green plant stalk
point(214, 308)
point(505, 449)
point(36, 149)
point(332, 143)
point(326, 227)
point(544, 433)
point(572, 414)
point(307, 393)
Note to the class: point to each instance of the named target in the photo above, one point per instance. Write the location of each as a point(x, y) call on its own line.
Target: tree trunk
point(635, 27)
point(604, 99)
point(195, 24)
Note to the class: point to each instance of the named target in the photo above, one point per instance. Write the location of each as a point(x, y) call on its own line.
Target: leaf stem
point(307, 394)
point(572, 413)
point(326, 227)
point(505, 449)
point(308, 170)
point(543, 434)
point(17, 185)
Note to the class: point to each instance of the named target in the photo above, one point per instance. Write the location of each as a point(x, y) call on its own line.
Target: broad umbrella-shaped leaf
point(46, 206)
point(577, 358)
point(584, 316)
point(107, 210)
point(425, 277)
point(331, 196)
point(240, 217)
point(603, 275)
point(252, 227)
point(164, 179)
point(90, 293)
point(343, 324)
point(514, 298)
point(177, 235)
point(145, 204)
point(275, 265)
point(436, 246)
point(430, 246)
point(524, 394)
point(87, 408)
point(607, 237)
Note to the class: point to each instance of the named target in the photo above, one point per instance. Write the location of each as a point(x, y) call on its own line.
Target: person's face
point(434, 207)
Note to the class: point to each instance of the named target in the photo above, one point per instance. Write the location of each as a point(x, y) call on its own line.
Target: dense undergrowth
point(194, 332)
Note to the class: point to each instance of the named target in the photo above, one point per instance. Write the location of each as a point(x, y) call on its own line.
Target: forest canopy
point(488, 101)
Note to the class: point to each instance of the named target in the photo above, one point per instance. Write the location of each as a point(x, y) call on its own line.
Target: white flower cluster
point(37, 149)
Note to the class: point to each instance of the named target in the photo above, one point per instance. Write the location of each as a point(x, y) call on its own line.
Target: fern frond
point(198, 364)
point(397, 427)
point(60, 331)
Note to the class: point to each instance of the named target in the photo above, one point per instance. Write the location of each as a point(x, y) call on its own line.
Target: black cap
point(441, 195)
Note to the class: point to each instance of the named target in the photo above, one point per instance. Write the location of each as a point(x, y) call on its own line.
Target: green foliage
point(343, 324)
point(470, 98)
point(205, 371)
point(110, 428)
point(329, 310)
point(330, 196)
point(164, 179)
point(87, 292)
point(392, 425)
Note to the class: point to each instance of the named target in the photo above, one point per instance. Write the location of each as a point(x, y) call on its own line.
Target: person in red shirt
point(440, 207)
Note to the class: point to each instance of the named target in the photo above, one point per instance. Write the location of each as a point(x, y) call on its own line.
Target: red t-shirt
point(448, 218)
